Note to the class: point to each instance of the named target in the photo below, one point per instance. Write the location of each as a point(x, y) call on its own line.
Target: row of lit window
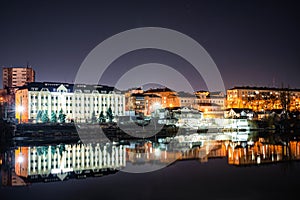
point(78, 98)
point(67, 159)
point(76, 112)
point(77, 105)
point(210, 101)
point(77, 159)
point(56, 166)
point(19, 74)
point(71, 151)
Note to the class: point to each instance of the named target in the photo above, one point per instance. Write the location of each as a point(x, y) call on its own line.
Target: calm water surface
point(216, 166)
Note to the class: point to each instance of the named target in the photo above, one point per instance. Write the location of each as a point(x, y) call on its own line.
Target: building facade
point(169, 98)
point(17, 76)
point(7, 107)
point(187, 100)
point(212, 104)
point(263, 98)
point(146, 102)
point(80, 103)
point(12, 79)
point(188, 117)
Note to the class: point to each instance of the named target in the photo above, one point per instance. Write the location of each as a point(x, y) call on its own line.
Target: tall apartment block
point(17, 76)
point(12, 79)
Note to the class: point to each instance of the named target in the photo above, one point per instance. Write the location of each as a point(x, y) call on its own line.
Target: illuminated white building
point(188, 117)
point(78, 102)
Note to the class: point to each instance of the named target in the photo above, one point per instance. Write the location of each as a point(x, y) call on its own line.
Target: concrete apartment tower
point(17, 76)
point(12, 79)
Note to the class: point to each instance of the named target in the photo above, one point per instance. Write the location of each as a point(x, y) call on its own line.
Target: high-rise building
point(12, 79)
point(17, 76)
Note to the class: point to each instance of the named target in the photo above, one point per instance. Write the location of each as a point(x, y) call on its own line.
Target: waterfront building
point(212, 104)
point(141, 103)
point(169, 98)
point(136, 103)
point(217, 98)
point(80, 103)
point(239, 113)
point(188, 117)
point(129, 102)
point(152, 103)
point(144, 103)
point(263, 98)
point(187, 100)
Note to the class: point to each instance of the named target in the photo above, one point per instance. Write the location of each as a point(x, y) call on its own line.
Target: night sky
point(253, 43)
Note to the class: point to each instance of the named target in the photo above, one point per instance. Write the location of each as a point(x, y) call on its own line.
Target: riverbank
point(113, 132)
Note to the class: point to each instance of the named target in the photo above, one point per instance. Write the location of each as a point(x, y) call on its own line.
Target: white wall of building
point(78, 105)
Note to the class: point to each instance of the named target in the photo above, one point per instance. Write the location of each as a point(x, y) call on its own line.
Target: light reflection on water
point(25, 164)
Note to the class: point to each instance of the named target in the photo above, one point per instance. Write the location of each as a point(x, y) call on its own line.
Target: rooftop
point(53, 86)
point(263, 88)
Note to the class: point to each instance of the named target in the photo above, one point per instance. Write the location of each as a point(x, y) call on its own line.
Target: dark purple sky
point(253, 43)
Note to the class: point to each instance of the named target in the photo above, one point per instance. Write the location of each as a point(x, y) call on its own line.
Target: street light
point(20, 160)
point(20, 109)
point(156, 105)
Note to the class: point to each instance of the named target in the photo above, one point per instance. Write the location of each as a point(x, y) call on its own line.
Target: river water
point(204, 166)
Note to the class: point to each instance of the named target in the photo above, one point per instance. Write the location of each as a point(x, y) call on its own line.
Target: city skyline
point(252, 42)
point(149, 99)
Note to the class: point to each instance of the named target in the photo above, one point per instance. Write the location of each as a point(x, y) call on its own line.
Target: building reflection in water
point(261, 152)
point(238, 152)
point(26, 164)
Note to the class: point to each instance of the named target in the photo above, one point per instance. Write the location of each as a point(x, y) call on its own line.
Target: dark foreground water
point(182, 180)
point(235, 168)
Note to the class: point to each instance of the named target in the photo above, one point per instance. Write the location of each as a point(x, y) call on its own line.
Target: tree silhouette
point(109, 114)
point(101, 117)
point(61, 148)
point(45, 117)
point(53, 117)
point(39, 116)
point(53, 150)
point(42, 150)
point(61, 116)
point(93, 118)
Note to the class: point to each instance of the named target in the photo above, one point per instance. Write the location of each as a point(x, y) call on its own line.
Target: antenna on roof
point(27, 64)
